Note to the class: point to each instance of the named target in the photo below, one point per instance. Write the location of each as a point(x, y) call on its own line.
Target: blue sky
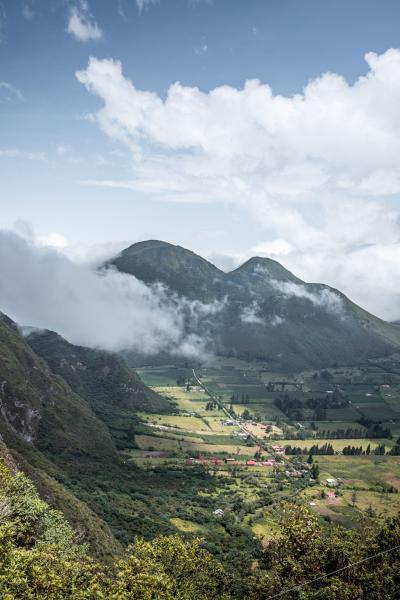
point(82, 178)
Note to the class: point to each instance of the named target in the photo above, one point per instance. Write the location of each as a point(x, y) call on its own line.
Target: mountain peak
point(266, 268)
point(180, 269)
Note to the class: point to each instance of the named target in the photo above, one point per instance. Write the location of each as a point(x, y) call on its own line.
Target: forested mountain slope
point(261, 310)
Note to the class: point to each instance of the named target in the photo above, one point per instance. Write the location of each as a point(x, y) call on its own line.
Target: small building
point(278, 449)
point(218, 512)
point(251, 463)
point(331, 482)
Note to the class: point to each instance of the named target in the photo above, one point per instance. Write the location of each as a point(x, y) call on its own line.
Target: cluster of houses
point(203, 460)
point(263, 463)
point(278, 449)
point(296, 473)
point(213, 460)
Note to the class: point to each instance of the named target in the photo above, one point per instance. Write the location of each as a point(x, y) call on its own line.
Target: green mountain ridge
point(265, 312)
point(98, 376)
point(55, 414)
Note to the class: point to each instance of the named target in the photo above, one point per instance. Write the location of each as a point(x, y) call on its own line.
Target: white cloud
point(201, 50)
point(320, 170)
point(42, 288)
point(27, 12)
point(82, 25)
point(22, 154)
point(277, 320)
point(250, 314)
point(3, 22)
point(53, 239)
point(142, 4)
point(9, 93)
point(62, 149)
point(324, 298)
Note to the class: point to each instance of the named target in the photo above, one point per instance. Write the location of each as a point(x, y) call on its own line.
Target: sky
point(231, 127)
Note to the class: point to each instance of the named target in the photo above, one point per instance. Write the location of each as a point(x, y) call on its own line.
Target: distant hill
point(265, 312)
point(101, 378)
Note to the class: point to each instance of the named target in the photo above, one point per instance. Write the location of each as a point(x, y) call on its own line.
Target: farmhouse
point(331, 482)
point(278, 449)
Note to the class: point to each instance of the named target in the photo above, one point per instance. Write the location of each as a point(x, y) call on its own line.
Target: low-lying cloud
point(42, 288)
point(251, 315)
point(322, 297)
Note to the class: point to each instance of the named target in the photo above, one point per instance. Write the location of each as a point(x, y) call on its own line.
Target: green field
point(351, 400)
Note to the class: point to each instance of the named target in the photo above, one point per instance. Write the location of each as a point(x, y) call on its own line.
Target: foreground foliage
point(41, 559)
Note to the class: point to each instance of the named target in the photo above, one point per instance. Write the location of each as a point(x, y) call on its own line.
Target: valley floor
point(231, 421)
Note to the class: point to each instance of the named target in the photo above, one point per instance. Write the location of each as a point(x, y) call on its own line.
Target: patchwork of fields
point(230, 423)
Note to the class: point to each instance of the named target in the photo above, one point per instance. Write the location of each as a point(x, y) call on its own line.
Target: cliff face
point(39, 408)
point(44, 426)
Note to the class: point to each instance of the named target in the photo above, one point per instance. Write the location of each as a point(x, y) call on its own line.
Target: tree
point(170, 568)
point(246, 415)
point(315, 471)
point(370, 512)
point(308, 552)
point(39, 559)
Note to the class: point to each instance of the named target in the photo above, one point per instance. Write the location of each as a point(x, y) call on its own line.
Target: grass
point(338, 445)
point(201, 432)
point(186, 526)
point(162, 444)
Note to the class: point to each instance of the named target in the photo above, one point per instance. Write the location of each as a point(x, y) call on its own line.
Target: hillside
point(41, 559)
point(44, 425)
point(39, 408)
point(97, 376)
point(265, 312)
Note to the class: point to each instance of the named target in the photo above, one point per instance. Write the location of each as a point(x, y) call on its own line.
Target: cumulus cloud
point(319, 170)
point(42, 288)
point(82, 25)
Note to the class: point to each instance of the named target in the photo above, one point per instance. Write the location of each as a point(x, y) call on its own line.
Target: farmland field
point(236, 414)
